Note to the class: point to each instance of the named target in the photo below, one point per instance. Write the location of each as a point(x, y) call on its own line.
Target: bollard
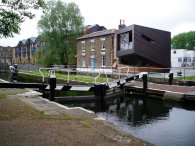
point(170, 78)
point(100, 93)
point(52, 84)
point(122, 86)
point(15, 73)
point(145, 82)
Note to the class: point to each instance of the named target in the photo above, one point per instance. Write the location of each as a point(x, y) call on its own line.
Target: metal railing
point(179, 73)
point(51, 71)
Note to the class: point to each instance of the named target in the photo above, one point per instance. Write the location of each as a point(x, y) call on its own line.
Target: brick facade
point(94, 58)
point(5, 57)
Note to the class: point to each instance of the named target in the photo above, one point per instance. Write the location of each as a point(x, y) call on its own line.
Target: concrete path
point(52, 108)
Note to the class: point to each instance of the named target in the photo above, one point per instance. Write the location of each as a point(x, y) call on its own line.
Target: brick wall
point(97, 53)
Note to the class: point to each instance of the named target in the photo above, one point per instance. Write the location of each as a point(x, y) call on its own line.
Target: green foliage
point(14, 12)
point(184, 41)
point(59, 27)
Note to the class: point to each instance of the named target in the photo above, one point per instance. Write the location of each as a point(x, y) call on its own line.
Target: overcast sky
point(176, 16)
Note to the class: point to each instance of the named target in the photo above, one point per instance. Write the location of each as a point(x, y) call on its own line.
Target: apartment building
point(96, 51)
point(25, 50)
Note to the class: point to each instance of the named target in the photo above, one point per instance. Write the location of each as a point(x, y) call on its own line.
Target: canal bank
point(162, 91)
point(27, 119)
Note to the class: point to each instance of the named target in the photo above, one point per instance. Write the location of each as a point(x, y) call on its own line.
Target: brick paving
point(171, 88)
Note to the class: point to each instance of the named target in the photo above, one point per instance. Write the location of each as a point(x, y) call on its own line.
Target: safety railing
point(51, 71)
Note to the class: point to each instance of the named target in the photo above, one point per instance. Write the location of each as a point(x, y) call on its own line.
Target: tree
point(184, 41)
point(14, 12)
point(59, 27)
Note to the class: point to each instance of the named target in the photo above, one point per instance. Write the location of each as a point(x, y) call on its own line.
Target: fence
point(179, 73)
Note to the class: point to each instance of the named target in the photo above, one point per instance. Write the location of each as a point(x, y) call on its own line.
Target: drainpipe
point(111, 52)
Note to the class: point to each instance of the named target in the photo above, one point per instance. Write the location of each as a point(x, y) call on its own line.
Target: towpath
point(27, 119)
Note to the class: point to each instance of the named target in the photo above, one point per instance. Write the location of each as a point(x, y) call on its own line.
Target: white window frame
point(92, 45)
point(103, 60)
point(83, 60)
point(103, 43)
point(83, 46)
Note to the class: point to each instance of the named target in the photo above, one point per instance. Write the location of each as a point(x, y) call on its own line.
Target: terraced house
point(96, 51)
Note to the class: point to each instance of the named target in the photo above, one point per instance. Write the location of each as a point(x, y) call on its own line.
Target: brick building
point(5, 57)
point(96, 51)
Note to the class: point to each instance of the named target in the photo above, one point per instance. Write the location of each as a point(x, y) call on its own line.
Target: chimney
point(124, 24)
point(120, 26)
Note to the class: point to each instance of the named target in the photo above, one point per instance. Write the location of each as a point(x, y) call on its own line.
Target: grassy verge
point(186, 78)
point(81, 78)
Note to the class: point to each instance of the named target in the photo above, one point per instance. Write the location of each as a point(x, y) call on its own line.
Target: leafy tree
point(184, 41)
point(59, 27)
point(14, 12)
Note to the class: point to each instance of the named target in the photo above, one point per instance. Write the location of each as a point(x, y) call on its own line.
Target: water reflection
point(158, 122)
point(138, 111)
point(5, 75)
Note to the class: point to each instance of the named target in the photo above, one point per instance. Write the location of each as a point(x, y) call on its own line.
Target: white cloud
point(184, 27)
point(175, 16)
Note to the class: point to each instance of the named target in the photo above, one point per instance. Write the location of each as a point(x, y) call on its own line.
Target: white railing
point(51, 71)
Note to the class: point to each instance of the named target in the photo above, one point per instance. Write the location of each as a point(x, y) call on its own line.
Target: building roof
point(98, 33)
point(33, 39)
point(24, 41)
point(91, 26)
point(6, 47)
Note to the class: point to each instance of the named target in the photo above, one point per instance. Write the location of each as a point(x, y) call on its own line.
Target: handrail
point(68, 76)
point(106, 77)
point(121, 71)
point(100, 74)
point(97, 77)
point(50, 72)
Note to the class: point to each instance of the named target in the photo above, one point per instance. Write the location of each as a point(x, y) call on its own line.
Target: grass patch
point(85, 123)
point(41, 115)
point(68, 117)
point(2, 96)
point(186, 78)
point(10, 116)
point(64, 76)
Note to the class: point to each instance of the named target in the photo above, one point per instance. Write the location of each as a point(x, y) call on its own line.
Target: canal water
point(4, 76)
point(163, 124)
point(158, 122)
